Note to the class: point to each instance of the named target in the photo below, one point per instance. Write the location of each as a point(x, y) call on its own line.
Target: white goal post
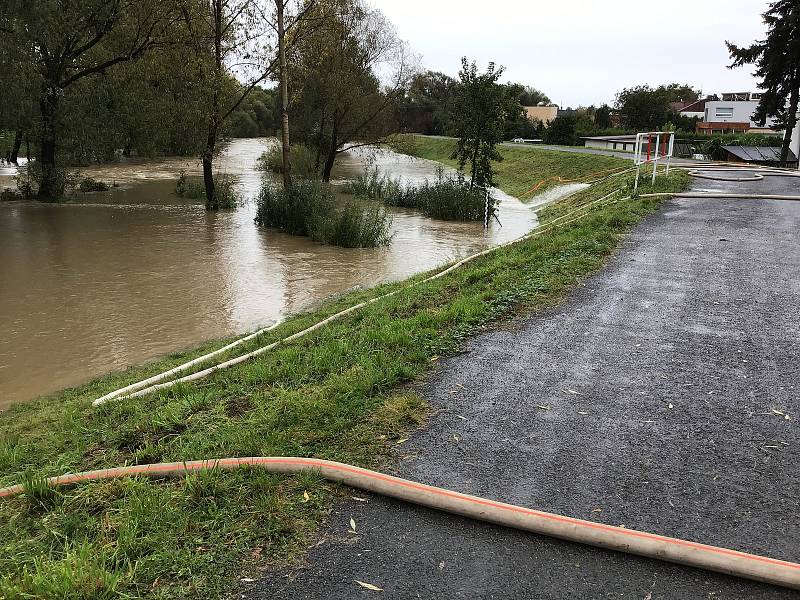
point(652, 147)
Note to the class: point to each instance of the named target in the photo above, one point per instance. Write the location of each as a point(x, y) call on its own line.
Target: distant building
point(733, 114)
point(626, 143)
point(543, 114)
point(693, 109)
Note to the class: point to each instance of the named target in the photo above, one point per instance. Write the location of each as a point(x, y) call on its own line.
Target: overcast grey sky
point(583, 52)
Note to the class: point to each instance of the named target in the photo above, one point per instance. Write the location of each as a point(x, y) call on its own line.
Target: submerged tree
point(480, 111)
point(233, 34)
point(777, 61)
point(66, 42)
point(339, 100)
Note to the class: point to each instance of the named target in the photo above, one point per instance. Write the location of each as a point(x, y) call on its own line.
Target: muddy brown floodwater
point(116, 278)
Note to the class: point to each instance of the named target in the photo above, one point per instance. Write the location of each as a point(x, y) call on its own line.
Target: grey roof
point(758, 153)
point(612, 138)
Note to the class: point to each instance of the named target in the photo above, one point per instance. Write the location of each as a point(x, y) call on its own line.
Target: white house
point(626, 143)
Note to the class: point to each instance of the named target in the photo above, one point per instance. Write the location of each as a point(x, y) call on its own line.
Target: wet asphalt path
point(647, 399)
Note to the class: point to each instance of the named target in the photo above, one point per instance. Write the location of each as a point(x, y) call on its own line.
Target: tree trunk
point(790, 124)
point(286, 156)
point(332, 150)
point(15, 148)
point(49, 188)
point(212, 202)
point(474, 163)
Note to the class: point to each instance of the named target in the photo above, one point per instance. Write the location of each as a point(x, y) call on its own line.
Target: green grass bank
point(522, 167)
point(342, 393)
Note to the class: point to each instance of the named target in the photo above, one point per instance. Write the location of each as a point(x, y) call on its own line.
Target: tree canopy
point(777, 62)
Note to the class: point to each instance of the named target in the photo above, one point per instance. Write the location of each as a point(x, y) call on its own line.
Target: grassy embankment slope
point(336, 394)
point(523, 166)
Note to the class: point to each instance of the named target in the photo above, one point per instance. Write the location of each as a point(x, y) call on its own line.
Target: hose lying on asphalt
point(693, 554)
point(152, 384)
point(722, 195)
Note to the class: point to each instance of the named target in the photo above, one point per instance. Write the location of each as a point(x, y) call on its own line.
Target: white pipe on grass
point(151, 384)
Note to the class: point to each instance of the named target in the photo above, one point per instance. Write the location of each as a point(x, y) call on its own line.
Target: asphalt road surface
point(655, 397)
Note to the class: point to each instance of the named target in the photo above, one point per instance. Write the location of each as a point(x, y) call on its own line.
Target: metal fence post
point(486, 208)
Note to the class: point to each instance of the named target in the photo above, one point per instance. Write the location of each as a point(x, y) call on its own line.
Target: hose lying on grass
point(151, 384)
point(693, 554)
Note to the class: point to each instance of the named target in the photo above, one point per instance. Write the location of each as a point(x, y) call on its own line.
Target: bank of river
point(114, 279)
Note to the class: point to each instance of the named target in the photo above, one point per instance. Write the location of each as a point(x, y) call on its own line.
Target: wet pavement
point(656, 397)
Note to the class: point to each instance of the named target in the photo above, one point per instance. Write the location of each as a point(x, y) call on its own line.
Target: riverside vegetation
point(336, 394)
point(309, 208)
point(448, 197)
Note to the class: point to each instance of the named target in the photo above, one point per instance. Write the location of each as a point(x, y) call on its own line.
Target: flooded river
point(116, 278)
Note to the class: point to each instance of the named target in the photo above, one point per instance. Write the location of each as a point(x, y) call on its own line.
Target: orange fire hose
point(693, 554)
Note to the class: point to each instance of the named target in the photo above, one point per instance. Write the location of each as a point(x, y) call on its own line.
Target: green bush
point(303, 159)
point(358, 226)
point(448, 197)
point(376, 186)
point(309, 208)
point(195, 189)
point(88, 184)
point(451, 198)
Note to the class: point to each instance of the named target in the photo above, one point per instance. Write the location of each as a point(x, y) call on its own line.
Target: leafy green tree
point(19, 83)
point(530, 96)
point(646, 108)
point(339, 101)
point(602, 117)
point(425, 106)
point(562, 131)
point(234, 35)
point(66, 42)
point(777, 61)
point(480, 111)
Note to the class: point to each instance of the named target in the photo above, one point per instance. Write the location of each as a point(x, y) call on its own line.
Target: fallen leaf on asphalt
point(456, 438)
point(306, 497)
point(597, 510)
point(352, 525)
point(369, 586)
point(649, 596)
point(543, 407)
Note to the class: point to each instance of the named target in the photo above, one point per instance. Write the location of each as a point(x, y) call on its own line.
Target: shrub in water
point(309, 208)
point(357, 226)
point(303, 159)
point(451, 198)
point(194, 188)
point(88, 184)
point(299, 210)
point(448, 197)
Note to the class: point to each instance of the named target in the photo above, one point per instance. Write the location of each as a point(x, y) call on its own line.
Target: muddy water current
point(112, 279)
